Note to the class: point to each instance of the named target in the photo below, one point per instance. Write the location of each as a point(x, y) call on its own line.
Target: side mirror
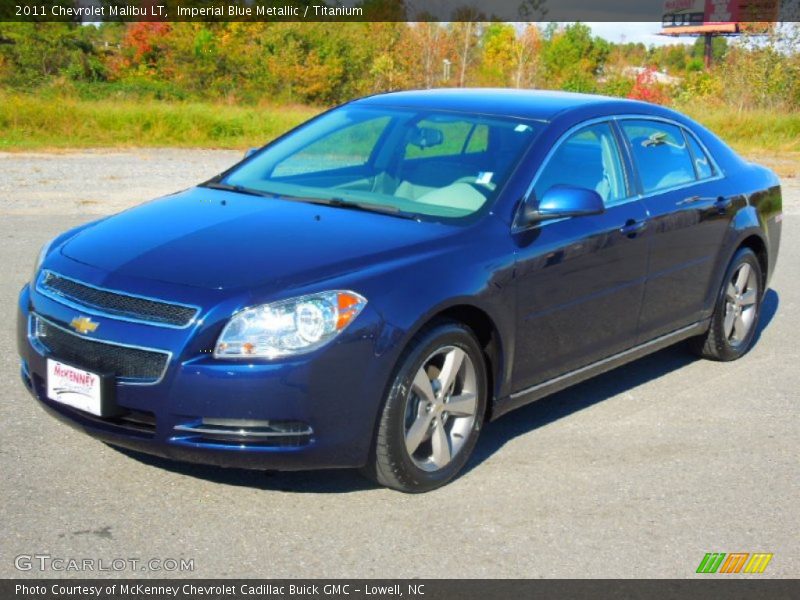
point(564, 201)
point(250, 151)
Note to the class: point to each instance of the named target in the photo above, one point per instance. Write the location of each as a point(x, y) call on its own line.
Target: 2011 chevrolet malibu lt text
point(372, 287)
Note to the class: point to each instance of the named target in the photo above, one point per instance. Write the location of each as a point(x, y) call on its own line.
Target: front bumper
point(321, 408)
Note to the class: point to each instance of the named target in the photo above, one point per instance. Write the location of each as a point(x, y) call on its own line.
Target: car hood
point(222, 240)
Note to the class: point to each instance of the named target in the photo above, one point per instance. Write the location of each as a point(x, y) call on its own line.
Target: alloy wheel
point(441, 408)
point(741, 296)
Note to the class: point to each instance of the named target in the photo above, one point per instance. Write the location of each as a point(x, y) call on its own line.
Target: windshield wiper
point(218, 185)
point(336, 202)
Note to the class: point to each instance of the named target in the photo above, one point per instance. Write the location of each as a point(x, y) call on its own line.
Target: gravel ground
point(101, 182)
point(637, 473)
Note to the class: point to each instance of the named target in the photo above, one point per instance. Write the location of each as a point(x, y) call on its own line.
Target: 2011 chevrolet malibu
point(372, 287)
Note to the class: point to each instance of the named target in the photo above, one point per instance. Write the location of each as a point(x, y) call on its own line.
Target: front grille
point(117, 303)
point(144, 366)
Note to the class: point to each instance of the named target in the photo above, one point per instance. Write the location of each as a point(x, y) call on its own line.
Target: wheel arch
point(752, 238)
point(757, 244)
point(485, 329)
point(488, 332)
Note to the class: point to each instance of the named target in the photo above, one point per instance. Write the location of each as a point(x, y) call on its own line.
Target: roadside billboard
point(717, 16)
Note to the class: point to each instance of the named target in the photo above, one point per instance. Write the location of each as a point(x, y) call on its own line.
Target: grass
point(32, 123)
point(769, 137)
point(753, 130)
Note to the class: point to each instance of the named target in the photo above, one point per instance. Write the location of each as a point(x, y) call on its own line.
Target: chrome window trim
point(637, 195)
point(110, 315)
point(39, 346)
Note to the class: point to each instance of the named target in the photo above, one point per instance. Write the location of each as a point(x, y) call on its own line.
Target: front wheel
point(433, 411)
point(735, 319)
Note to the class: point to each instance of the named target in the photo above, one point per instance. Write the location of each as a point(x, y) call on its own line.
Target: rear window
point(660, 153)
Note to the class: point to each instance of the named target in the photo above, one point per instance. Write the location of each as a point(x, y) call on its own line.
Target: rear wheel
point(735, 319)
point(433, 411)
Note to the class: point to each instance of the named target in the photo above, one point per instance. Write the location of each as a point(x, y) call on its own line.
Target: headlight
point(40, 259)
point(289, 327)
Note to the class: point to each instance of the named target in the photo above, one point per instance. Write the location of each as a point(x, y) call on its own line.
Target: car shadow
point(327, 481)
point(599, 388)
point(493, 437)
point(768, 309)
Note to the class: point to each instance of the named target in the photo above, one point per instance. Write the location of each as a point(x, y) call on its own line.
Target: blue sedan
point(372, 287)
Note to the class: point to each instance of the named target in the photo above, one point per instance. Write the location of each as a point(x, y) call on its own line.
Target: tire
point(419, 444)
point(735, 320)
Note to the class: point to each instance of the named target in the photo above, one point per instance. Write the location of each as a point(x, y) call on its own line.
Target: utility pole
point(708, 53)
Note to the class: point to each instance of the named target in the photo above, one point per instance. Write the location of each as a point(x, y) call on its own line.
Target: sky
point(647, 33)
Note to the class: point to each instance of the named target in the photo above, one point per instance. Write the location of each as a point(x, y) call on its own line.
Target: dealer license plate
point(74, 387)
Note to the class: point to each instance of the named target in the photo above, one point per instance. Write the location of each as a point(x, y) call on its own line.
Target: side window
point(702, 165)
point(660, 153)
point(349, 146)
point(589, 159)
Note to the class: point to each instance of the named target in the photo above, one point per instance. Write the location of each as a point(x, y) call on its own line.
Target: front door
point(580, 280)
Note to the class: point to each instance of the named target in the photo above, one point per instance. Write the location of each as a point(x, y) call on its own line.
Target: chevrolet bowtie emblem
point(84, 325)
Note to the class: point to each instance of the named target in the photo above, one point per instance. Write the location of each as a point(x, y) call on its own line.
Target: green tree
point(35, 53)
point(572, 58)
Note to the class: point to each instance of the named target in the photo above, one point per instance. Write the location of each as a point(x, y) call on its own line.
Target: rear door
point(679, 183)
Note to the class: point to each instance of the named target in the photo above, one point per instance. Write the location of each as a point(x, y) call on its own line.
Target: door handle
point(722, 204)
point(632, 227)
point(689, 200)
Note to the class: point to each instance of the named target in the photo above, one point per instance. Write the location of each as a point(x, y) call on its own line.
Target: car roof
point(527, 104)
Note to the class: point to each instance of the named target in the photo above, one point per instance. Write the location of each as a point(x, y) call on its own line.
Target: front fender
point(482, 283)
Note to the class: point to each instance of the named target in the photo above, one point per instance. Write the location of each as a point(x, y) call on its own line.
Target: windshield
point(391, 159)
